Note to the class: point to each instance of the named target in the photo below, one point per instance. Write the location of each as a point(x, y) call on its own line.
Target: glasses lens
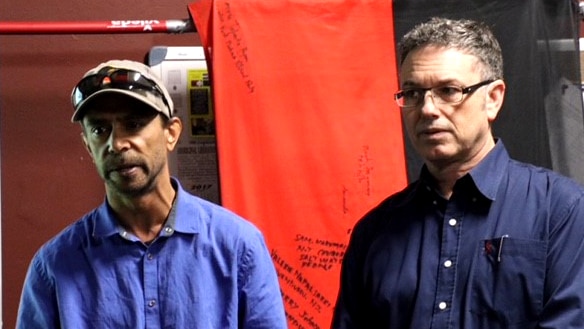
point(408, 97)
point(447, 94)
point(118, 79)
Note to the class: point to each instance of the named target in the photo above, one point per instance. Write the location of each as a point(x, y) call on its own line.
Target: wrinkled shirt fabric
point(208, 268)
point(505, 251)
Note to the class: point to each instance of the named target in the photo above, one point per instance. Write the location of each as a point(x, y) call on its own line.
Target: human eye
point(98, 130)
point(135, 124)
point(448, 93)
point(411, 94)
point(447, 90)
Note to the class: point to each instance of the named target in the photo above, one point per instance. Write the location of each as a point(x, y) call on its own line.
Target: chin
point(437, 154)
point(129, 187)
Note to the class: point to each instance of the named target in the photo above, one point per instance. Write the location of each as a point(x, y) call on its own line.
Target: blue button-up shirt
point(207, 269)
point(505, 251)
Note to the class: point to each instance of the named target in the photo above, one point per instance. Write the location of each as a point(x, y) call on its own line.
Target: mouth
point(432, 132)
point(124, 170)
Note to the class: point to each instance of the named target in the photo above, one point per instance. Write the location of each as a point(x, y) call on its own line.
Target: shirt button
point(151, 303)
point(442, 305)
point(447, 263)
point(434, 202)
point(452, 222)
point(168, 229)
point(149, 256)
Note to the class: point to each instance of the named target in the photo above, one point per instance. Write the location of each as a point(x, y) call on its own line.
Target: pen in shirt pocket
point(500, 252)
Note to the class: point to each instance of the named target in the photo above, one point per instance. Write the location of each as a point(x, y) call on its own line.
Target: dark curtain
point(541, 121)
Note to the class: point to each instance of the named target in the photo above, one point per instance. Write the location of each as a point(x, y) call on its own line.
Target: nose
point(117, 141)
point(428, 104)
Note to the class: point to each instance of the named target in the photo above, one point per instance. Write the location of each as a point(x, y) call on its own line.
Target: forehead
point(431, 64)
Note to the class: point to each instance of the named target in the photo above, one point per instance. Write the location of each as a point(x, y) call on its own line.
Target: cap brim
point(144, 96)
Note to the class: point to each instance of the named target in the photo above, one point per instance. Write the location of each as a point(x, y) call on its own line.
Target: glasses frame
point(99, 81)
point(465, 90)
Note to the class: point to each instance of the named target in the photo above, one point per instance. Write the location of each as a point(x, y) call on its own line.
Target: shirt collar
point(185, 216)
point(486, 176)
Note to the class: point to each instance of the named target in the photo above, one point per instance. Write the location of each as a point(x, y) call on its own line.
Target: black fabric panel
point(541, 120)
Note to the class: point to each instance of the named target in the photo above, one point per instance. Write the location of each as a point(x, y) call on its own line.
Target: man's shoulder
point(541, 177)
point(69, 239)
point(377, 217)
point(217, 218)
point(398, 199)
point(559, 191)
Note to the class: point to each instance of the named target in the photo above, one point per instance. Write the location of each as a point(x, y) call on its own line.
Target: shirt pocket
point(508, 282)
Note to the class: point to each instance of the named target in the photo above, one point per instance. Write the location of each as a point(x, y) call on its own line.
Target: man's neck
point(447, 173)
point(145, 215)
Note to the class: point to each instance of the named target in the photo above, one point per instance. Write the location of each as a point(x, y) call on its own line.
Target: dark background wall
point(541, 121)
point(47, 179)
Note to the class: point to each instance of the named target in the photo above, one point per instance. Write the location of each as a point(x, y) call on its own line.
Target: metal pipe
point(98, 27)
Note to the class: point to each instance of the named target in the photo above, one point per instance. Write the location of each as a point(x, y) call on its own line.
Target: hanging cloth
point(309, 137)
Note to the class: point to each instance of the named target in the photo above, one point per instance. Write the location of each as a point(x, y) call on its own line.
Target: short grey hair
point(472, 37)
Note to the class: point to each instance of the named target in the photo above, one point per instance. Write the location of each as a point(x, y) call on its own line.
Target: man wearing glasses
point(152, 255)
point(479, 240)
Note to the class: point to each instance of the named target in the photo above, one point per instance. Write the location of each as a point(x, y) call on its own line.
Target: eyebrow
point(445, 82)
point(94, 121)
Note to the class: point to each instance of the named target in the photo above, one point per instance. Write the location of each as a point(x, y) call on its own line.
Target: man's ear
point(173, 131)
point(495, 96)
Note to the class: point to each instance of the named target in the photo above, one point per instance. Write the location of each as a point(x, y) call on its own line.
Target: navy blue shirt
point(505, 251)
point(208, 268)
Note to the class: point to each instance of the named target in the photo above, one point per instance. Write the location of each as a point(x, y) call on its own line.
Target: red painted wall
point(47, 179)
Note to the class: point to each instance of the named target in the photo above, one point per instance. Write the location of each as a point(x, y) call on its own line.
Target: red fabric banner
point(308, 135)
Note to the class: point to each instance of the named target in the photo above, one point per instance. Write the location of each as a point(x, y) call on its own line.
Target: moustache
point(119, 162)
point(428, 128)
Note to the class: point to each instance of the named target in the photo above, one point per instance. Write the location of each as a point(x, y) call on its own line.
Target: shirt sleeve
point(348, 311)
point(260, 298)
point(345, 307)
point(564, 289)
point(38, 307)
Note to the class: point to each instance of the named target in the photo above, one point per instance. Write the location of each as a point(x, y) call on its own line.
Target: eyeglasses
point(412, 97)
point(117, 79)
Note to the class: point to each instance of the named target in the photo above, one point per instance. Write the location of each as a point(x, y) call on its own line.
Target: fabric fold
point(309, 137)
